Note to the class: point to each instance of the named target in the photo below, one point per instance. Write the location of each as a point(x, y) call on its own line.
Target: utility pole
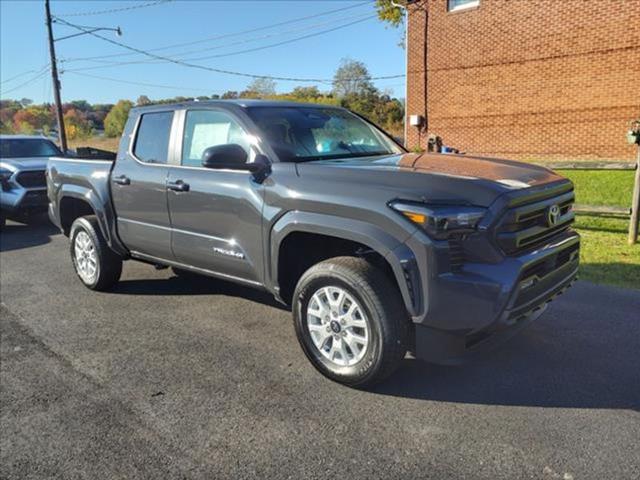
point(56, 82)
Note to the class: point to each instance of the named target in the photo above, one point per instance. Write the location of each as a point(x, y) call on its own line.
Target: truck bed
point(84, 179)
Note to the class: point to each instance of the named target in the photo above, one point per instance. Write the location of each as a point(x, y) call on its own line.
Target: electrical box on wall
point(416, 120)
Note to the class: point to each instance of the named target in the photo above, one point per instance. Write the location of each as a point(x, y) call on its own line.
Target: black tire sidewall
point(368, 365)
point(84, 225)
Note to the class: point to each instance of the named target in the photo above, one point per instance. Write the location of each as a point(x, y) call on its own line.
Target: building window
point(455, 5)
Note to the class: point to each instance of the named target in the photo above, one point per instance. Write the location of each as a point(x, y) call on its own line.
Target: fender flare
point(399, 256)
point(102, 209)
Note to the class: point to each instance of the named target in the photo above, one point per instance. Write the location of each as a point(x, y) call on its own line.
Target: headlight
point(441, 221)
point(5, 175)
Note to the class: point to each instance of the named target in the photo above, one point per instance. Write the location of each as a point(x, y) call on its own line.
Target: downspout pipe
point(406, 63)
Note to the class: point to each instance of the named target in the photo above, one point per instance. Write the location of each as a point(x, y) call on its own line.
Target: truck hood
point(475, 180)
point(27, 163)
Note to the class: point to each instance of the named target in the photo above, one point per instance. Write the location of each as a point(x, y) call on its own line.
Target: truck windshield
point(299, 134)
point(27, 147)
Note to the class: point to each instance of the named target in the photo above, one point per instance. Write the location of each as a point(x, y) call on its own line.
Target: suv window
point(152, 140)
point(209, 128)
point(27, 147)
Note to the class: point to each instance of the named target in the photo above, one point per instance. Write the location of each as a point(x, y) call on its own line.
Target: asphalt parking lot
point(168, 378)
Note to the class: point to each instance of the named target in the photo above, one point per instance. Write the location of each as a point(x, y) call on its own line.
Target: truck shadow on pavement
point(16, 236)
point(194, 285)
point(583, 353)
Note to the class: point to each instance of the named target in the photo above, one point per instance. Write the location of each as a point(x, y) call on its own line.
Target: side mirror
point(232, 156)
point(228, 156)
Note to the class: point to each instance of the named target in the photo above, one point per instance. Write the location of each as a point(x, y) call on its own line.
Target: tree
point(116, 118)
point(352, 77)
point(143, 100)
point(230, 94)
point(260, 88)
point(81, 105)
point(306, 93)
point(76, 125)
point(32, 119)
point(390, 13)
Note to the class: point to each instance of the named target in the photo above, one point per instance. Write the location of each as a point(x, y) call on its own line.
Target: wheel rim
point(338, 326)
point(86, 258)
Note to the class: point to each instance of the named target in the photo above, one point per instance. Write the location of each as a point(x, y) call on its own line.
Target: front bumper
point(483, 304)
point(18, 201)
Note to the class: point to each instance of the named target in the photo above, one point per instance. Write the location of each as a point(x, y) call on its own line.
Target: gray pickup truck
point(377, 251)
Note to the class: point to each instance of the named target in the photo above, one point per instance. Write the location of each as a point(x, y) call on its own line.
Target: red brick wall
point(527, 79)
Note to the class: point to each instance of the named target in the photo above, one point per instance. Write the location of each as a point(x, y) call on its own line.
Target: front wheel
point(350, 321)
point(97, 266)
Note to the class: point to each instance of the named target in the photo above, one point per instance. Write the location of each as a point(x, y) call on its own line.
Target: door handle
point(178, 186)
point(122, 180)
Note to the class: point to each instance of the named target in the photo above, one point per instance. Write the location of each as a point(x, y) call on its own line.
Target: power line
point(142, 84)
point(211, 69)
point(285, 42)
point(21, 75)
point(113, 10)
point(237, 52)
point(234, 34)
point(42, 73)
point(217, 47)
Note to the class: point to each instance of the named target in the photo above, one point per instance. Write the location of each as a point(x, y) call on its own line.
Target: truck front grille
point(532, 221)
point(32, 179)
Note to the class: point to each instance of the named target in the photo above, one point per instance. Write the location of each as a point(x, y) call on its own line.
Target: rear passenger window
point(152, 141)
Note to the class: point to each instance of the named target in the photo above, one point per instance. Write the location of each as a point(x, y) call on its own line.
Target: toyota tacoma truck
point(23, 187)
point(378, 252)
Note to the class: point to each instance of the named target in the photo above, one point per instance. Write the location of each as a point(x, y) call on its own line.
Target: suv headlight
point(5, 175)
point(441, 221)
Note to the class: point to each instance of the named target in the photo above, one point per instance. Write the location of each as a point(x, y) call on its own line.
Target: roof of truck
point(240, 102)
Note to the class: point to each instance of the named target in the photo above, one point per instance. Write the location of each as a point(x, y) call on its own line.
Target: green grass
point(605, 255)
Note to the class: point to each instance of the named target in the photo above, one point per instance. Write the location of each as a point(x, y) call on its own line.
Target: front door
point(138, 187)
point(216, 215)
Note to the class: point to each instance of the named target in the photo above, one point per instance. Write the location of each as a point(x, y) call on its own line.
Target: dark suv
point(377, 251)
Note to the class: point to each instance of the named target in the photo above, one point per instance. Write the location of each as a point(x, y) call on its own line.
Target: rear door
point(216, 215)
point(138, 186)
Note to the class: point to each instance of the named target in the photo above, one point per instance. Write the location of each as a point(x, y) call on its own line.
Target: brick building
point(525, 79)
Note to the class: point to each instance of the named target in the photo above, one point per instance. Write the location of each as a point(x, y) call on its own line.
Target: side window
point(209, 128)
point(455, 5)
point(152, 140)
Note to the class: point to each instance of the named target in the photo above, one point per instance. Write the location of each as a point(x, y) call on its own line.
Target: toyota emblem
point(553, 215)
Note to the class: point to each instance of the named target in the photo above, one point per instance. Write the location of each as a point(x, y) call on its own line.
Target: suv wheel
point(97, 266)
point(350, 321)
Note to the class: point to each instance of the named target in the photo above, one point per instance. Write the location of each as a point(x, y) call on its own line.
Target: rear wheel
point(350, 321)
point(97, 266)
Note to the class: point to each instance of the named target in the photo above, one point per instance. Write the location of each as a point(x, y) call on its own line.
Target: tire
point(382, 321)
point(87, 236)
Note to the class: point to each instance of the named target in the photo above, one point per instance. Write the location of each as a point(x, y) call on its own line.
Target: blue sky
point(23, 46)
